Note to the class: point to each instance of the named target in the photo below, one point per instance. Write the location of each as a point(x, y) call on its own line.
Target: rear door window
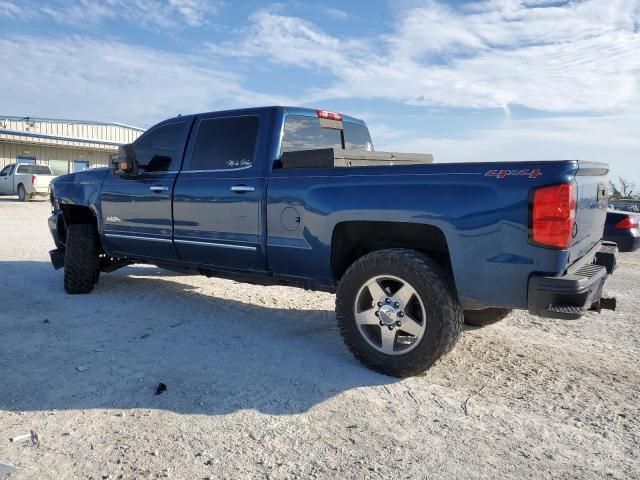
point(225, 143)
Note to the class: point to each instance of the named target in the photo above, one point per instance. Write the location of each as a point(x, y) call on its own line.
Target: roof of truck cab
point(308, 112)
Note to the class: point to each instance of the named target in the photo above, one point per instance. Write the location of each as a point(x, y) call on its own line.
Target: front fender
point(80, 189)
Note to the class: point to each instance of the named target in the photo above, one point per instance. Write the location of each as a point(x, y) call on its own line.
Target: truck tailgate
point(591, 181)
point(41, 184)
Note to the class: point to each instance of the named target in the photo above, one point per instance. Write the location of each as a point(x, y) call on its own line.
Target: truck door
point(6, 180)
point(218, 196)
point(136, 209)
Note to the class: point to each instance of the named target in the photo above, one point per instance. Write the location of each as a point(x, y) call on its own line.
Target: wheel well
point(78, 214)
point(352, 240)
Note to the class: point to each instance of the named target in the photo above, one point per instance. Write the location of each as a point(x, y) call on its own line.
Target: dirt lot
point(261, 386)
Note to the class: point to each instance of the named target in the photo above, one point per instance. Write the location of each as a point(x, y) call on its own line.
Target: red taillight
point(34, 179)
point(329, 115)
point(628, 223)
point(554, 215)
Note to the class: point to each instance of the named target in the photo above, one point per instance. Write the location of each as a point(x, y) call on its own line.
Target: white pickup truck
point(27, 181)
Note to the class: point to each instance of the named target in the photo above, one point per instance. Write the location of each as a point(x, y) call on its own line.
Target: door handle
point(158, 188)
point(242, 189)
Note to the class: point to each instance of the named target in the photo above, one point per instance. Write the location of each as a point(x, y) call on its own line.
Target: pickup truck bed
point(216, 200)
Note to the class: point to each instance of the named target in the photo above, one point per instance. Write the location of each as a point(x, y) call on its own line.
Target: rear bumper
point(572, 294)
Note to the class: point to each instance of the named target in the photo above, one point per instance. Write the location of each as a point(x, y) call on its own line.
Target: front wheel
point(81, 264)
point(397, 311)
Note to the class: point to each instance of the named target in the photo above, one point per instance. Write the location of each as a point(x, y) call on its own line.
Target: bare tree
point(624, 190)
point(626, 187)
point(614, 193)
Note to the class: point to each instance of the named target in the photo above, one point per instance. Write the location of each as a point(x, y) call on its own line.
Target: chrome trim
point(214, 244)
point(218, 170)
point(242, 188)
point(158, 188)
point(135, 237)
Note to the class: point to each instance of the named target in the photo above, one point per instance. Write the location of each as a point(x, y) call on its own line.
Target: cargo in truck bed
point(337, 157)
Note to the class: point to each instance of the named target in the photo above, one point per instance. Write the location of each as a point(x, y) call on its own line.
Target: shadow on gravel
point(217, 355)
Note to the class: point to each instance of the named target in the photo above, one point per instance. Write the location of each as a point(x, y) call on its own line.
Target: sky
point(487, 80)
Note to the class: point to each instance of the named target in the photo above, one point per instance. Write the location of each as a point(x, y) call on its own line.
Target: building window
point(79, 165)
point(59, 167)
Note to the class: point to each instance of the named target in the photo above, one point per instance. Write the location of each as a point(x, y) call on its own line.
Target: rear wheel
point(81, 272)
point(480, 318)
point(397, 311)
point(22, 194)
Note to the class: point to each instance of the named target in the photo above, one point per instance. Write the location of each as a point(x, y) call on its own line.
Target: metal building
point(64, 145)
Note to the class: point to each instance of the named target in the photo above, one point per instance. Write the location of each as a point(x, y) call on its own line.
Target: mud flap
point(57, 258)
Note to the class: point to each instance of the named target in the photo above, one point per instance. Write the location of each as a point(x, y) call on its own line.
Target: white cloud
point(289, 41)
point(79, 77)
point(336, 13)
point(612, 139)
point(147, 13)
point(194, 11)
point(582, 56)
point(10, 9)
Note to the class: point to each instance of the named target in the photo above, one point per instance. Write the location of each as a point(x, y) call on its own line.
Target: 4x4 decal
point(526, 172)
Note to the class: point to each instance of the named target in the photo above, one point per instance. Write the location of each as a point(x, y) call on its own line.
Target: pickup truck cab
point(409, 249)
point(26, 181)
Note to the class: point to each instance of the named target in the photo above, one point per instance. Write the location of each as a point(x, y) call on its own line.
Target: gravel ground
point(259, 384)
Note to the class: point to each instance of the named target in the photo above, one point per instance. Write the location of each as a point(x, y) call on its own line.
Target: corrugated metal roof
point(67, 133)
point(66, 120)
point(44, 136)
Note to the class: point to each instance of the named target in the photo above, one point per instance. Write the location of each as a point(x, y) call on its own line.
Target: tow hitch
point(605, 303)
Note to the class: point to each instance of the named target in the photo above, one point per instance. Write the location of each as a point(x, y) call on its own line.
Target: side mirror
point(124, 163)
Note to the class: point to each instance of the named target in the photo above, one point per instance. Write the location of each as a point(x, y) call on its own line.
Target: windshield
point(34, 169)
point(306, 133)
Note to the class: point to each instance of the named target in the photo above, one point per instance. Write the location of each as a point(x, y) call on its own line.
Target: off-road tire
point(81, 272)
point(444, 315)
point(487, 316)
point(23, 196)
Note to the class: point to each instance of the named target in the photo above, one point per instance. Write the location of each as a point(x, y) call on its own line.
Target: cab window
point(307, 133)
point(226, 143)
point(160, 149)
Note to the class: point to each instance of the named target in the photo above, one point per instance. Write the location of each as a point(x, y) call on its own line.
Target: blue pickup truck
point(411, 250)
